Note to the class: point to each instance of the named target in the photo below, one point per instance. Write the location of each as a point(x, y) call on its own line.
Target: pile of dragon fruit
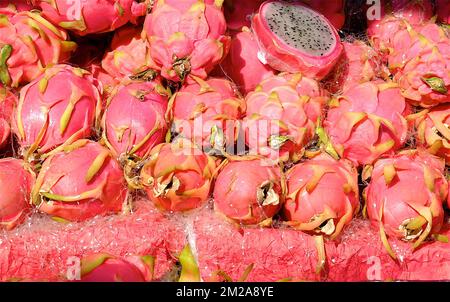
point(195, 127)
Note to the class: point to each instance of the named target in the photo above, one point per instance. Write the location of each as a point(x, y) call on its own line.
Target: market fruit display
point(224, 140)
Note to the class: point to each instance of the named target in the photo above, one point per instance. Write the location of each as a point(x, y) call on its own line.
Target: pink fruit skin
point(81, 183)
point(368, 122)
point(359, 63)
point(186, 37)
point(201, 105)
point(178, 176)
point(443, 11)
point(417, 54)
point(432, 131)
point(400, 201)
point(31, 49)
point(71, 101)
point(332, 10)
point(133, 122)
point(8, 101)
point(290, 105)
point(322, 188)
point(242, 64)
point(110, 269)
point(15, 190)
point(283, 57)
point(415, 12)
point(129, 54)
point(93, 16)
point(236, 191)
point(238, 13)
point(10, 7)
point(105, 82)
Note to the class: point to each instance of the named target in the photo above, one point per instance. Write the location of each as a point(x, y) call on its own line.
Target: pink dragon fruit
point(367, 122)
point(433, 130)
point(313, 48)
point(207, 113)
point(11, 7)
point(443, 11)
point(238, 13)
point(107, 268)
point(105, 81)
point(93, 16)
point(15, 189)
point(98, 189)
point(281, 116)
point(332, 10)
point(414, 12)
point(178, 176)
point(186, 37)
point(57, 108)
point(8, 101)
point(420, 60)
point(359, 63)
point(129, 55)
point(405, 196)
point(29, 43)
point(242, 64)
point(134, 122)
point(322, 198)
point(310, 185)
point(249, 192)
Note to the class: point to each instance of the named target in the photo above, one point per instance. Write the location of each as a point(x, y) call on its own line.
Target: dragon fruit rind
point(133, 121)
point(107, 268)
point(420, 60)
point(15, 192)
point(186, 37)
point(322, 196)
point(178, 176)
point(11, 7)
point(359, 63)
point(405, 197)
point(313, 48)
point(207, 113)
point(88, 16)
point(29, 43)
point(129, 55)
point(368, 122)
point(282, 113)
point(249, 192)
point(56, 109)
point(80, 182)
point(332, 10)
point(242, 64)
point(433, 131)
point(238, 13)
point(8, 101)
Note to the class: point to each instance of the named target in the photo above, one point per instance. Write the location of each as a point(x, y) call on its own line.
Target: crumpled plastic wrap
point(290, 255)
point(41, 249)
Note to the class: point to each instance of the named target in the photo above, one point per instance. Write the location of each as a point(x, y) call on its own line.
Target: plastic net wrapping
point(43, 250)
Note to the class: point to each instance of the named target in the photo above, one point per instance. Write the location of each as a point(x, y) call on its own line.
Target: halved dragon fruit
point(295, 38)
